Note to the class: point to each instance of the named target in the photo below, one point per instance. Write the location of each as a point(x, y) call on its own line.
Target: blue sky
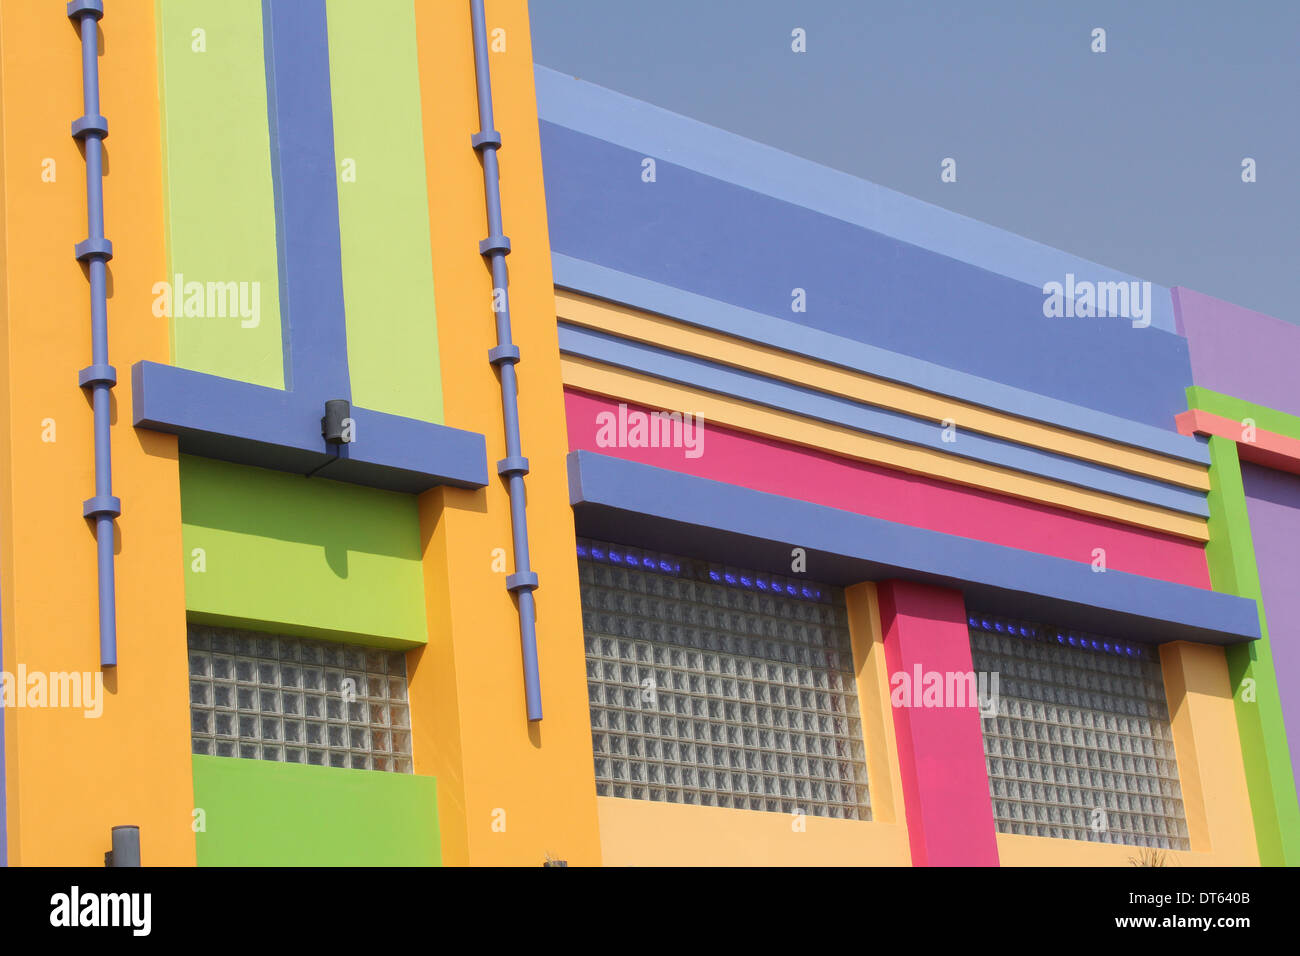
point(1131, 158)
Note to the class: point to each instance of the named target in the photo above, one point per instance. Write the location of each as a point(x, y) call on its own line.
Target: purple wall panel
point(1273, 502)
point(714, 239)
point(1238, 352)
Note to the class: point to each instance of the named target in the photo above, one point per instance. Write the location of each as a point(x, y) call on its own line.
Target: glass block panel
point(697, 673)
point(272, 697)
point(1080, 747)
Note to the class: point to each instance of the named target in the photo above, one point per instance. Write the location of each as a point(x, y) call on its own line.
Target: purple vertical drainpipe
point(99, 376)
point(506, 354)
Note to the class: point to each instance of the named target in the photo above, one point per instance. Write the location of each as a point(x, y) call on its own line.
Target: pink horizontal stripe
point(764, 464)
point(1268, 448)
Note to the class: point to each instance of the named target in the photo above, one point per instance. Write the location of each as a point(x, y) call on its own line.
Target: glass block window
point(717, 686)
point(272, 697)
point(1081, 746)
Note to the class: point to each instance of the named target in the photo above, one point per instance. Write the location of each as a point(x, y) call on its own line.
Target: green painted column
point(1230, 554)
point(222, 286)
point(383, 208)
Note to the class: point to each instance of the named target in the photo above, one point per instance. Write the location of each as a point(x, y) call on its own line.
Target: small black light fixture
point(338, 412)
point(126, 847)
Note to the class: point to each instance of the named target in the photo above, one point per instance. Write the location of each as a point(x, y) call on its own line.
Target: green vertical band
point(220, 204)
point(1230, 554)
point(383, 208)
point(264, 813)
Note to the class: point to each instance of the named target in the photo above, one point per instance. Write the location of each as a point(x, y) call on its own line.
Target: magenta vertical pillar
point(940, 748)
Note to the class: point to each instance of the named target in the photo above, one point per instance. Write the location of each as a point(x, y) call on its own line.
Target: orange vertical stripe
point(509, 793)
point(71, 778)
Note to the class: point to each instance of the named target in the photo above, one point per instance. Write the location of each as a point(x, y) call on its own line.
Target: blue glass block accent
point(720, 687)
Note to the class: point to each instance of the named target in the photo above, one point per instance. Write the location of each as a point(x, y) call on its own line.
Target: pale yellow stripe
point(678, 337)
point(643, 389)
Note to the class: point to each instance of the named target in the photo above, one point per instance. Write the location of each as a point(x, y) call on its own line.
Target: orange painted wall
point(70, 779)
point(509, 792)
point(885, 779)
point(649, 833)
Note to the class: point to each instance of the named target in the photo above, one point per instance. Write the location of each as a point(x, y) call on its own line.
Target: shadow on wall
point(310, 556)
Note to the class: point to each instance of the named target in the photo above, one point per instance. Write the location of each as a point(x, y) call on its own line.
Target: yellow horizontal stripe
point(643, 389)
point(810, 373)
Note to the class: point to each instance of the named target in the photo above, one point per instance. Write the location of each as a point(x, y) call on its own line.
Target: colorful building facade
point(411, 455)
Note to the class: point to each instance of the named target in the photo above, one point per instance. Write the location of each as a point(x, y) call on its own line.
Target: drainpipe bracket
point(101, 505)
point(502, 354)
point(513, 465)
point(521, 581)
point(86, 8)
point(488, 139)
point(492, 244)
point(91, 249)
point(96, 375)
point(89, 125)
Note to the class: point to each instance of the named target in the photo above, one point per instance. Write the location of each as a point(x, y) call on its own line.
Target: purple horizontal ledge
point(630, 503)
point(254, 425)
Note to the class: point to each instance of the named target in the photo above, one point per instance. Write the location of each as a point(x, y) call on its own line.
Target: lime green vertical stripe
point(383, 208)
point(219, 194)
point(263, 813)
point(1230, 555)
